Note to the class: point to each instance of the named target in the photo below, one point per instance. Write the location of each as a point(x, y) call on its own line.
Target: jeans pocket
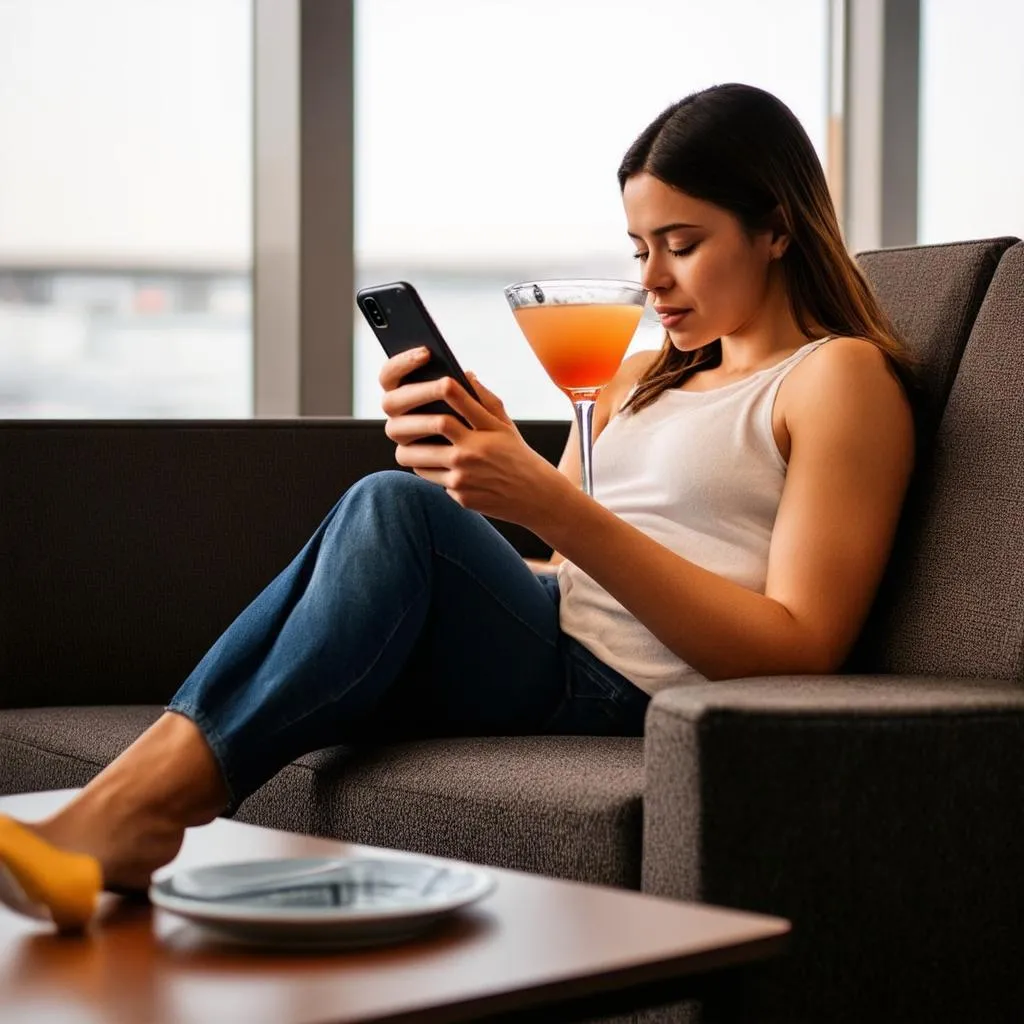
point(584, 716)
point(598, 701)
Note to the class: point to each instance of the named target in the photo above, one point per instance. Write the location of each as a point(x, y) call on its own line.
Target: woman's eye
point(641, 256)
point(685, 251)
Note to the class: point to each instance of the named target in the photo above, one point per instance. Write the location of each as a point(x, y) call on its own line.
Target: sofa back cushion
point(953, 600)
point(128, 547)
point(933, 293)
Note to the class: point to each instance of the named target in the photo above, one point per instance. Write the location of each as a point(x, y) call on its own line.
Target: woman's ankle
point(133, 815)
point(169, 771)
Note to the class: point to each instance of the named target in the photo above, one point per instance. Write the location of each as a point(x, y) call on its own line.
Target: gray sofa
point(881, 810)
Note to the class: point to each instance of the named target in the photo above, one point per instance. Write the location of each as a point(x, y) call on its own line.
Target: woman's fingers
point(424, 456)
point(397, 367)
point(488, 399)
point(474, 412)
point(405, 430)
point(407, 397)
point(434, 476)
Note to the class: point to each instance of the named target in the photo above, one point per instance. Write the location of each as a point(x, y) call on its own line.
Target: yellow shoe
point(40, 880)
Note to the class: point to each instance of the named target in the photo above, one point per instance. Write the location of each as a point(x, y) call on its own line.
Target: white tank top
point(699, 472)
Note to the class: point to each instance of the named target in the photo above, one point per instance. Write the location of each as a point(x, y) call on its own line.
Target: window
point(488, 136)
point(125, 198)
point(972, 155)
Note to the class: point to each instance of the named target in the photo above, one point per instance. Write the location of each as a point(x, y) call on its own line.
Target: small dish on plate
point(322, 902)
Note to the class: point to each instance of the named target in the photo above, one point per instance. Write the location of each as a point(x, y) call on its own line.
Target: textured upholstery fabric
point(884, 817)
point(566, 806)
point(953, 601)
point(128, 547)
point(932, 293)
point(569, 806)
point(60, 748)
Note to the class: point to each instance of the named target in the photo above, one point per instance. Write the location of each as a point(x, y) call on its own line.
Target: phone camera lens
point(375, 313)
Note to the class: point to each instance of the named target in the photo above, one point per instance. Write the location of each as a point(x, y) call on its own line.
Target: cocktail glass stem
point(584, 408)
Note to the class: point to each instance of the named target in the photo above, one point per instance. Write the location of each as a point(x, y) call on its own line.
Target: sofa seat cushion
point(61, 748)
point(565, 806)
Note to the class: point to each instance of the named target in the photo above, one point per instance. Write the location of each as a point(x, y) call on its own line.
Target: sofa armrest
point(883, 815)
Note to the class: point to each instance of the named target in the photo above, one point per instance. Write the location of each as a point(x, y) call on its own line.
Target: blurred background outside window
point(486, 144)
point(125, 208)
point(488, 136)
point(972, 145)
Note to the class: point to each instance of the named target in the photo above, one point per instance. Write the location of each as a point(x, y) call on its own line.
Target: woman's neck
point(771, 334)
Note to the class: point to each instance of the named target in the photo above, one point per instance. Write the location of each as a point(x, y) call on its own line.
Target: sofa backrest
point(127, 547)
point(952, 602)
point(933, 294)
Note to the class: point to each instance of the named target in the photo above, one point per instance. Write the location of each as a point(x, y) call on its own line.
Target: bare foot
point(132, 817)
point(128, 851)
point(129, 821)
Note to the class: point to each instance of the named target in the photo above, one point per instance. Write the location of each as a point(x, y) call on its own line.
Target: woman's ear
point(780, 234)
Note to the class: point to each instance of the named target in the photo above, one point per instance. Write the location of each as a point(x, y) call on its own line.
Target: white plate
point(324, 901)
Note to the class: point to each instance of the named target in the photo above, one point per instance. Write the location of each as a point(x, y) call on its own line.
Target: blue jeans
point(404, 616)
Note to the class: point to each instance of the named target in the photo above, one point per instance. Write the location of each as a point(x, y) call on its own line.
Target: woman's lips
point(673, 317)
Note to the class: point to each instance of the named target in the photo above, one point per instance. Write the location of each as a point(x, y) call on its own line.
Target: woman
point(749, 478)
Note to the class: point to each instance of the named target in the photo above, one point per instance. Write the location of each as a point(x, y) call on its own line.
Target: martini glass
point(579, 330)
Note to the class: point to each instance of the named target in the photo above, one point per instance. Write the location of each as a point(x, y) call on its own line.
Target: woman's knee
point(390, 486)
point(390, 500)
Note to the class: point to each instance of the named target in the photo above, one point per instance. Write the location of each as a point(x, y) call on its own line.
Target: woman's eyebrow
point(665, 229)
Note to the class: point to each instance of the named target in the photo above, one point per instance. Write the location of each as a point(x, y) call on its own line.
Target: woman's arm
point(539, 565)
point(850, 463)
point(852, 443)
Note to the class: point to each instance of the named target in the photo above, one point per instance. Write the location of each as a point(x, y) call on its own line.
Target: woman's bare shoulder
point(638, 363)
point(848, 374)
point(843, 362)
point(632, 369)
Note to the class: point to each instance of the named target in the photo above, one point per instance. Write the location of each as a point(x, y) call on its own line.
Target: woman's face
point(707, 277)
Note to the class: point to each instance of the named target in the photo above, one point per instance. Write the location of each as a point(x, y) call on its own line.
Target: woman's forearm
point(722, 629)
point(540, 565)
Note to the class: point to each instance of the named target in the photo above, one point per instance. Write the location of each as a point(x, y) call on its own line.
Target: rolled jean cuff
point(216, 745)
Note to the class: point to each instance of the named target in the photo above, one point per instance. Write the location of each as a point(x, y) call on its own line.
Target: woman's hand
point(488, 467)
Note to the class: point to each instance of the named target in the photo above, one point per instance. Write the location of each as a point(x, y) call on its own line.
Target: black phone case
point(409, 325)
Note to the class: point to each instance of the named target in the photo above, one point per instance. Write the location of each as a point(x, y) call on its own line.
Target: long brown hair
point(742, 149)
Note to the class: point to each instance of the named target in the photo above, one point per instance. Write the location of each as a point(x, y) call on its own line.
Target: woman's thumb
point(488, 399)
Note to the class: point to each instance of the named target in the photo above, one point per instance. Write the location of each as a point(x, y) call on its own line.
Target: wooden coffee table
point(535, 949)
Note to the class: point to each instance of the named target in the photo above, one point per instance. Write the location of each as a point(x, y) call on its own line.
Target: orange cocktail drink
point(580, 346)
point(579, 330)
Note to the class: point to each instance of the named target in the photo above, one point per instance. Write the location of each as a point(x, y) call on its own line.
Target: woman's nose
point(655, 274)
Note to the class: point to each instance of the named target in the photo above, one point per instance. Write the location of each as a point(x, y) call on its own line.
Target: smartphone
point(400, 321)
